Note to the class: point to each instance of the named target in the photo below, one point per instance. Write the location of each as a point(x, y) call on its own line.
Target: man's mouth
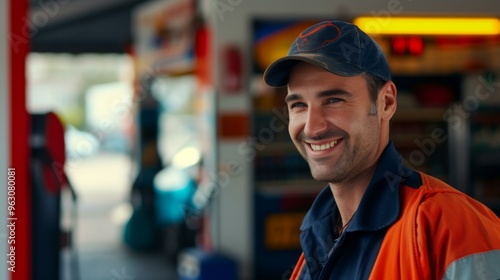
point(324, 147)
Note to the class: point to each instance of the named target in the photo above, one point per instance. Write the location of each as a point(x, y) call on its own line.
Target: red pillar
point(19, 43)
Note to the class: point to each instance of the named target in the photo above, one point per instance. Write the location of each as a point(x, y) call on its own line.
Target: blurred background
point(146, 145)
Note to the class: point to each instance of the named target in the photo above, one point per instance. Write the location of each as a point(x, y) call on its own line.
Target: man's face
point(330, 123)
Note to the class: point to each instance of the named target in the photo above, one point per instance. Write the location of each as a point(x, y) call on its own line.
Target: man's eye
point(333, 100)
point(296, 105)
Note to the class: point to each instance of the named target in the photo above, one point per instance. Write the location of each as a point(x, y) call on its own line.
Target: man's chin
point(327, 175)
point(321, 177)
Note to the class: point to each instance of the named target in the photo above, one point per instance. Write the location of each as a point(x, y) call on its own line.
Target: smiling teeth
point(324, 146)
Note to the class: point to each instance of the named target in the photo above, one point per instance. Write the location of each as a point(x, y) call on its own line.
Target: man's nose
point(315, 123)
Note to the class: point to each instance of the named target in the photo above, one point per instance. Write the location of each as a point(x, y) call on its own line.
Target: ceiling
point(81, 26)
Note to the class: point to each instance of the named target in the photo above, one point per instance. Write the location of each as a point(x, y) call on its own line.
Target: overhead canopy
point(81, 26)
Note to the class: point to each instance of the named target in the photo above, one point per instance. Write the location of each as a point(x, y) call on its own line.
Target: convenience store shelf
point(299, 186)
point(283, 148)
point(420, 114)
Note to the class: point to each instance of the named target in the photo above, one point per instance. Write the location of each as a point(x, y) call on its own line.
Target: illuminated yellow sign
point(428, 25)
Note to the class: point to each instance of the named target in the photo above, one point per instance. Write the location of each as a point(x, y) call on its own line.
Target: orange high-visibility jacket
point(419, 228)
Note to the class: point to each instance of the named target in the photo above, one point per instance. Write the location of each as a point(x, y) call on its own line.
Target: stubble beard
point(349, 164)
point(330, 170)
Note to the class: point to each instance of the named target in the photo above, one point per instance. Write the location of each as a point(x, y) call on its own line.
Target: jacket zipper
point(332, 255)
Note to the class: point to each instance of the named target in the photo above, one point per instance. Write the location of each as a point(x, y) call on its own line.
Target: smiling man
point(376, 219)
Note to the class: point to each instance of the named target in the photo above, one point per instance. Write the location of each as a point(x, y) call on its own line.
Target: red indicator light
point(416, 45)
point(404, 45)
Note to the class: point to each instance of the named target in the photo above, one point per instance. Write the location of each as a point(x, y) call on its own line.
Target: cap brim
point(278, 72)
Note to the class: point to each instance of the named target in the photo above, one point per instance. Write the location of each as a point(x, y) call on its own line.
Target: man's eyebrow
point(323, 94)
point(292, 97)
point(334, 92)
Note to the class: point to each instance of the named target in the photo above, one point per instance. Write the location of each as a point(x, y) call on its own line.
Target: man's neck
point(348, 195)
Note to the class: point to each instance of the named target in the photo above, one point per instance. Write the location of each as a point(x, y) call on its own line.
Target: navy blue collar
point(379, 208)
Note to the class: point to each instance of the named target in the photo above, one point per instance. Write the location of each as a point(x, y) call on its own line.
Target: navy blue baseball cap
point(338, 47)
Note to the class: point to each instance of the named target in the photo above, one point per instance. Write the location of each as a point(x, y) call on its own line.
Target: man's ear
point(387, 100)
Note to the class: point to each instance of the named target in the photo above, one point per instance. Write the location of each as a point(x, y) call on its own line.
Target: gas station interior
point(179, 154)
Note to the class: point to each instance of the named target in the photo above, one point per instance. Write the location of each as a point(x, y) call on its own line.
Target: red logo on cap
point(304, 42)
